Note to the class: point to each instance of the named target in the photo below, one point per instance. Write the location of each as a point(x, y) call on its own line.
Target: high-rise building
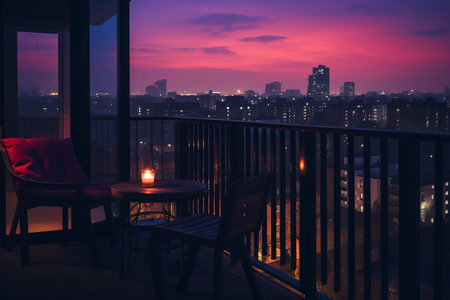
point(273, 89)
point(349, 89)
point(161, 86)
point(159, 89)
point(319, 83)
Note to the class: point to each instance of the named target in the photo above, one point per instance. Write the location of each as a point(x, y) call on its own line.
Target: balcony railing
point(377, 240)
point(376, 200)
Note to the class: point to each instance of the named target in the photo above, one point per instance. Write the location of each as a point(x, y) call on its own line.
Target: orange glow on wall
point(302, 164)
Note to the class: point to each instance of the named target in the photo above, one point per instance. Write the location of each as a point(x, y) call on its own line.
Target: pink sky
point(231, 45)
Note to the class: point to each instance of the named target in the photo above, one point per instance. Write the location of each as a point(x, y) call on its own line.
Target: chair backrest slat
point(244, 207)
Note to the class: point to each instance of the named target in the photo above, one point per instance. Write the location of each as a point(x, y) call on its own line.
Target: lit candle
point(147, 177)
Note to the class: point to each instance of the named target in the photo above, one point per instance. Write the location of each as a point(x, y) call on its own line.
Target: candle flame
point(148, 174)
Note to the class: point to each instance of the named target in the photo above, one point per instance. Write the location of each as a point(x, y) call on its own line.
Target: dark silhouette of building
point(172, 94)
point(251, 94)
point(349, 89)
point(235, 108)
point(273, 89)
point(159, 89)
point(354, 114)
point(319, 83)
point(419, 115)
point(292, 93)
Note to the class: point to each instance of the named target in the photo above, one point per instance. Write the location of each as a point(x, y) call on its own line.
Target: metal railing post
point(409, 216)
point(307, 167)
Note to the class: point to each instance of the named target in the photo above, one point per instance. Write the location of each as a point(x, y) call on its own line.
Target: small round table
point(163, 191)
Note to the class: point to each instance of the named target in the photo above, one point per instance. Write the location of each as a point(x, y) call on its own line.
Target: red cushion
point(43, 159)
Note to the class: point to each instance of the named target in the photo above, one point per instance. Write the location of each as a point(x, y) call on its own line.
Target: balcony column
point(123, 86)
point(79, 91)
point(80, 129)
point(2, 125)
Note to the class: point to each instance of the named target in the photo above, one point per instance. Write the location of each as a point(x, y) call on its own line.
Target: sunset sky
point(229, 45)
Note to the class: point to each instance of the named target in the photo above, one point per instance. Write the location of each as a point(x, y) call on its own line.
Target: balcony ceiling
point(54, 15)
point(44, 14)
point(101, 11)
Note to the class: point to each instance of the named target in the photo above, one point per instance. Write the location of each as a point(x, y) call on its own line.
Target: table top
point(163, 191)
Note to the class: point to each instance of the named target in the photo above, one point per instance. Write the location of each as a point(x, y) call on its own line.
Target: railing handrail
point(374, 132)
point(56, 118)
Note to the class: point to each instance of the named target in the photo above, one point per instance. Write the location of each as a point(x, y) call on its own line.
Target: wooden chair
point(242, 213)
point(46, 172)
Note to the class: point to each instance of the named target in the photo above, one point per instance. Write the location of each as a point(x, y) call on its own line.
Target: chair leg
point(156, 267)
point(218, 253)
point(110, 223)
point(124, 231)
point(249, 272)
point(14, 224)
point(25, 247)
point(65, 213)
point(188, 268)
point(89, 235)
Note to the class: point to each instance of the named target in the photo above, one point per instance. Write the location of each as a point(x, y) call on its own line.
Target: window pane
point(38, 100)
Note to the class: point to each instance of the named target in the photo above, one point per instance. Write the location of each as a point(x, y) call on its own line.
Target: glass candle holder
point(147, 177)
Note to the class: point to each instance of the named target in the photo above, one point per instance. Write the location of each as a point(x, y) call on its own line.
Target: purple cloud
point(209, 50)
point(227, 22)
point(145, 50)
point(430, 32)
point(264, 39)
point(185, 49)
point(217, 50)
